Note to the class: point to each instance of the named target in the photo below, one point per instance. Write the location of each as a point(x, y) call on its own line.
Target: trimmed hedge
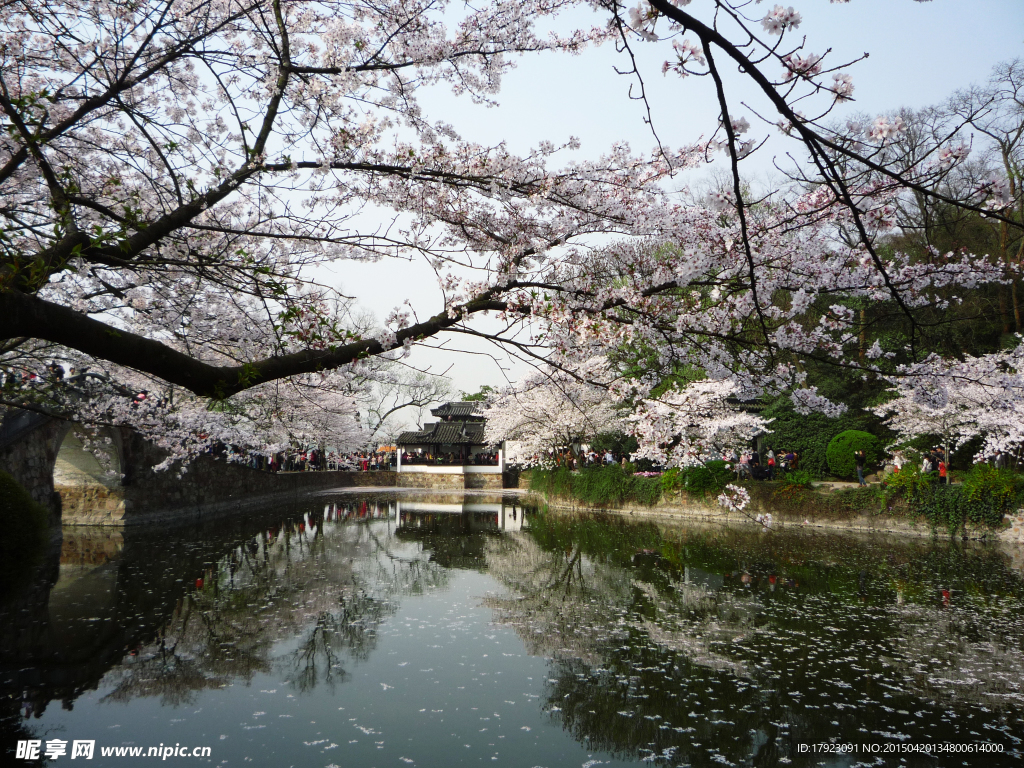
point(24, 524)
point(841, 461)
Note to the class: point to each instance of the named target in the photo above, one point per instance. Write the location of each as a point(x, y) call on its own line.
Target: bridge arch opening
point(87, 475)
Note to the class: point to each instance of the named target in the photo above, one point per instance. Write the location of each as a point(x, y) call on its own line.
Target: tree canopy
point(174, 171)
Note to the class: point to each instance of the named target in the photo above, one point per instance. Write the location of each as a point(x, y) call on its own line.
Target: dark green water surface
point(416, 629)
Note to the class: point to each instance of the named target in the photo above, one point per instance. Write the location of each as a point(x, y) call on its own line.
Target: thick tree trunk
point(862, 349)
point(1016, 306)
point(1003, 308)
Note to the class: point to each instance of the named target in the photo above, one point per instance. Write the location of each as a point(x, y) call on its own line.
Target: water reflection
point(455, 532)
point(465, 516)
point(625, 642)
point(720, 647)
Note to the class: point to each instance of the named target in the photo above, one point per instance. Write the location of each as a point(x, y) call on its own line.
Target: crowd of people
point(935, 461)
point(587, 458)
point(772, 465)
point(481, 458)
point(932, 461)
point(316, 460)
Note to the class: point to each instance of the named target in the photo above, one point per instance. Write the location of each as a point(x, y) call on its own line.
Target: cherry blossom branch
point(30, 316)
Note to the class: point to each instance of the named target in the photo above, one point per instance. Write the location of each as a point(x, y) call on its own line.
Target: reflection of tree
point(318, 643)
point(957, 608)
point(562, 595)
point(560, 600)
point(356, 622)
point(947, 655)
point(332, 585)
point(352, 628)
point(612, 685)
point(711, 624)
point(722, 646)
point(201, 647)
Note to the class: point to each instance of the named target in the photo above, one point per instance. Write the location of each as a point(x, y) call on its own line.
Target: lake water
point(419, 629)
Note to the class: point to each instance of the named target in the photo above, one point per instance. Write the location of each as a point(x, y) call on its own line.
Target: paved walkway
point(835, 485)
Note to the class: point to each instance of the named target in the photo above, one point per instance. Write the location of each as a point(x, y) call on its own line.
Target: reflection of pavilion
point(465, 517)
point(456, 532)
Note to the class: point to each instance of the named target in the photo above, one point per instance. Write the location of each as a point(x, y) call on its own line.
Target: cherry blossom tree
point(300, 413)
point(958, 400)
point(731, 288)
point(552, 410)
point(219, 149)
point(693, 424)
point(173, 171)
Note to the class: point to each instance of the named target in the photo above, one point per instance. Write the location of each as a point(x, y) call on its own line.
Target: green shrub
point(841, 461)
point(909, 484)
point(561, 481)
point(24, 524)
point(644, 490)
point(990, 493)
point(609, 485)
point(709, 479)
point(672, 481)
point(539, 479)
point(985, 495)
point(798, 477)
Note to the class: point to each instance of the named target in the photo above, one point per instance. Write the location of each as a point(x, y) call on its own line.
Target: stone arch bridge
point(75, 473)
point(106, 477)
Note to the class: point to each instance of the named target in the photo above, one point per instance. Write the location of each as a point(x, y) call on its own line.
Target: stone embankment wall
point(450, 481)
point(1015, 531)
point(79, 492)
point(50, 460)
point(211, 487)
point(683, 509)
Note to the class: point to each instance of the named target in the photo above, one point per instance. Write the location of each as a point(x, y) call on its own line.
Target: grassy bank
point(606, 486)
point(983, 497)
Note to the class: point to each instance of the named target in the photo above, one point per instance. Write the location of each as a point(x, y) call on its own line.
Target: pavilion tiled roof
point(414, 438)
point(446, 433)
point(457, 432)
point(459, 410)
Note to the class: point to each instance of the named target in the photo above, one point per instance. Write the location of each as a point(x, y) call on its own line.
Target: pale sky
point(920, 53)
